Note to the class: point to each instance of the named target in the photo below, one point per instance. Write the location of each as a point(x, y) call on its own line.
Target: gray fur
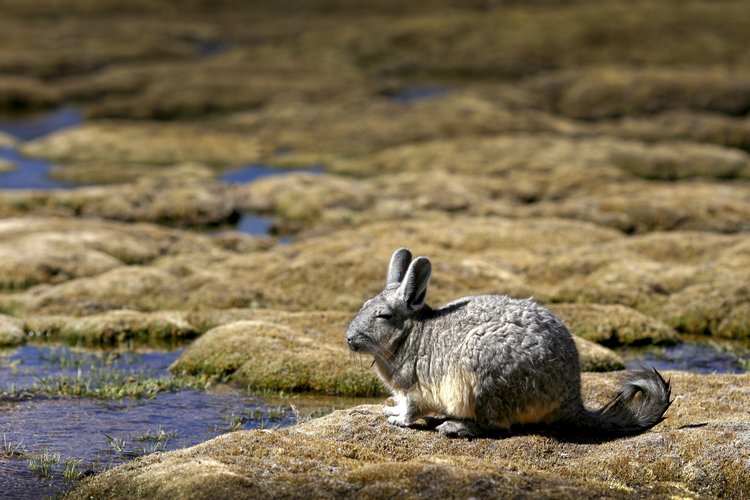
point(399, 264)
point(487, 362)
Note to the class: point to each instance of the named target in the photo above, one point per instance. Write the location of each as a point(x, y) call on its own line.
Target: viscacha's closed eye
point(385, 316)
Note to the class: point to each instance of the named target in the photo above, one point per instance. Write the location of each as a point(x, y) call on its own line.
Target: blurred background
point(168, 168)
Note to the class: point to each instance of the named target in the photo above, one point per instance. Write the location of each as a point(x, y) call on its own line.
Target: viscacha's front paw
point(389, 411)
point(399, 420)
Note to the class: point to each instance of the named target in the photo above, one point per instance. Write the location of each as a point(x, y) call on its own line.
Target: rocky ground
point(593, 155)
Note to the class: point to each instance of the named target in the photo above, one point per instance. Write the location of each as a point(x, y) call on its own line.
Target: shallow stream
point(88, 434)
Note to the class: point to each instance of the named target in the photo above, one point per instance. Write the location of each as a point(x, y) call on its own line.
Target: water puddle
point(34, 126)
point(258, 224)
point(48, 440)
point(30, 173)
point(698, 355)
point(251, 173)
point(416, 93)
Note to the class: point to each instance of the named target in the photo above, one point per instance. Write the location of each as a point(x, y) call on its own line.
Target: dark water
point(258, 224)
point(415, 93)
point(28, 174)
point(253, 172)
point(104, 433)
point(694, 355)
point(32, 173)
point(34, 126)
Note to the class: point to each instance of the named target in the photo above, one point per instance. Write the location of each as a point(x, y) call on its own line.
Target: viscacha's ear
point(413, 289)
point(399, 263)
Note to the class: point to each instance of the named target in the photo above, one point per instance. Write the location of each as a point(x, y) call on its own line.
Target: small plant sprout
point(235, 422)
point(147, 448)
point(117, 444)
point(11, 450)
point(43, 464)
point(72, 471)
point(158, 435)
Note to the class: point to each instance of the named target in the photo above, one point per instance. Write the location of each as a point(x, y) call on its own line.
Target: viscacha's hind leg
point(459, 428)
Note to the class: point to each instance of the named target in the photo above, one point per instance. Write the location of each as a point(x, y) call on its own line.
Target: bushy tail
point(640, 405)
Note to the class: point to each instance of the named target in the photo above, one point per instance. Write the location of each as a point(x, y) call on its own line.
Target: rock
point(699, 450)
point(279, 351)
point(11, 331)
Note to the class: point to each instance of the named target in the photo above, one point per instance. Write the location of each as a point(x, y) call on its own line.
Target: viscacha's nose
point(350, 339)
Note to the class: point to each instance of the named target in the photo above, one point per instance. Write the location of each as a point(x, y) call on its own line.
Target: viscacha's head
point(383, 320)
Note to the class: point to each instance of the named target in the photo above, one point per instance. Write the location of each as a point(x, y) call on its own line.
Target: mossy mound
point(682, 126)
point(596, 358)
point(52, 250)
point(504, 41)
point(145, 142)
point(6, 166)
point(522, 154)
point(717, 308)
point(302, 352)
point(700, 450)
point(186, 194)
point(614, 325)
point(637, 207)
point(305, 352)
point(70, 43)
point(11, 331)
point(195, 88)
point(7, 141)
point(115, 328)
point(21, 93)
point(554, 260)
point(323, 132)
point(609, 92)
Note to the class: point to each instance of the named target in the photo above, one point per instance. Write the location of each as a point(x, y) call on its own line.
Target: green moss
point(281, 356)
point(118, 327)
point(11, 331)
point(710, 308)
point(614, 325)
point(106, 379)
point(737, 323)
